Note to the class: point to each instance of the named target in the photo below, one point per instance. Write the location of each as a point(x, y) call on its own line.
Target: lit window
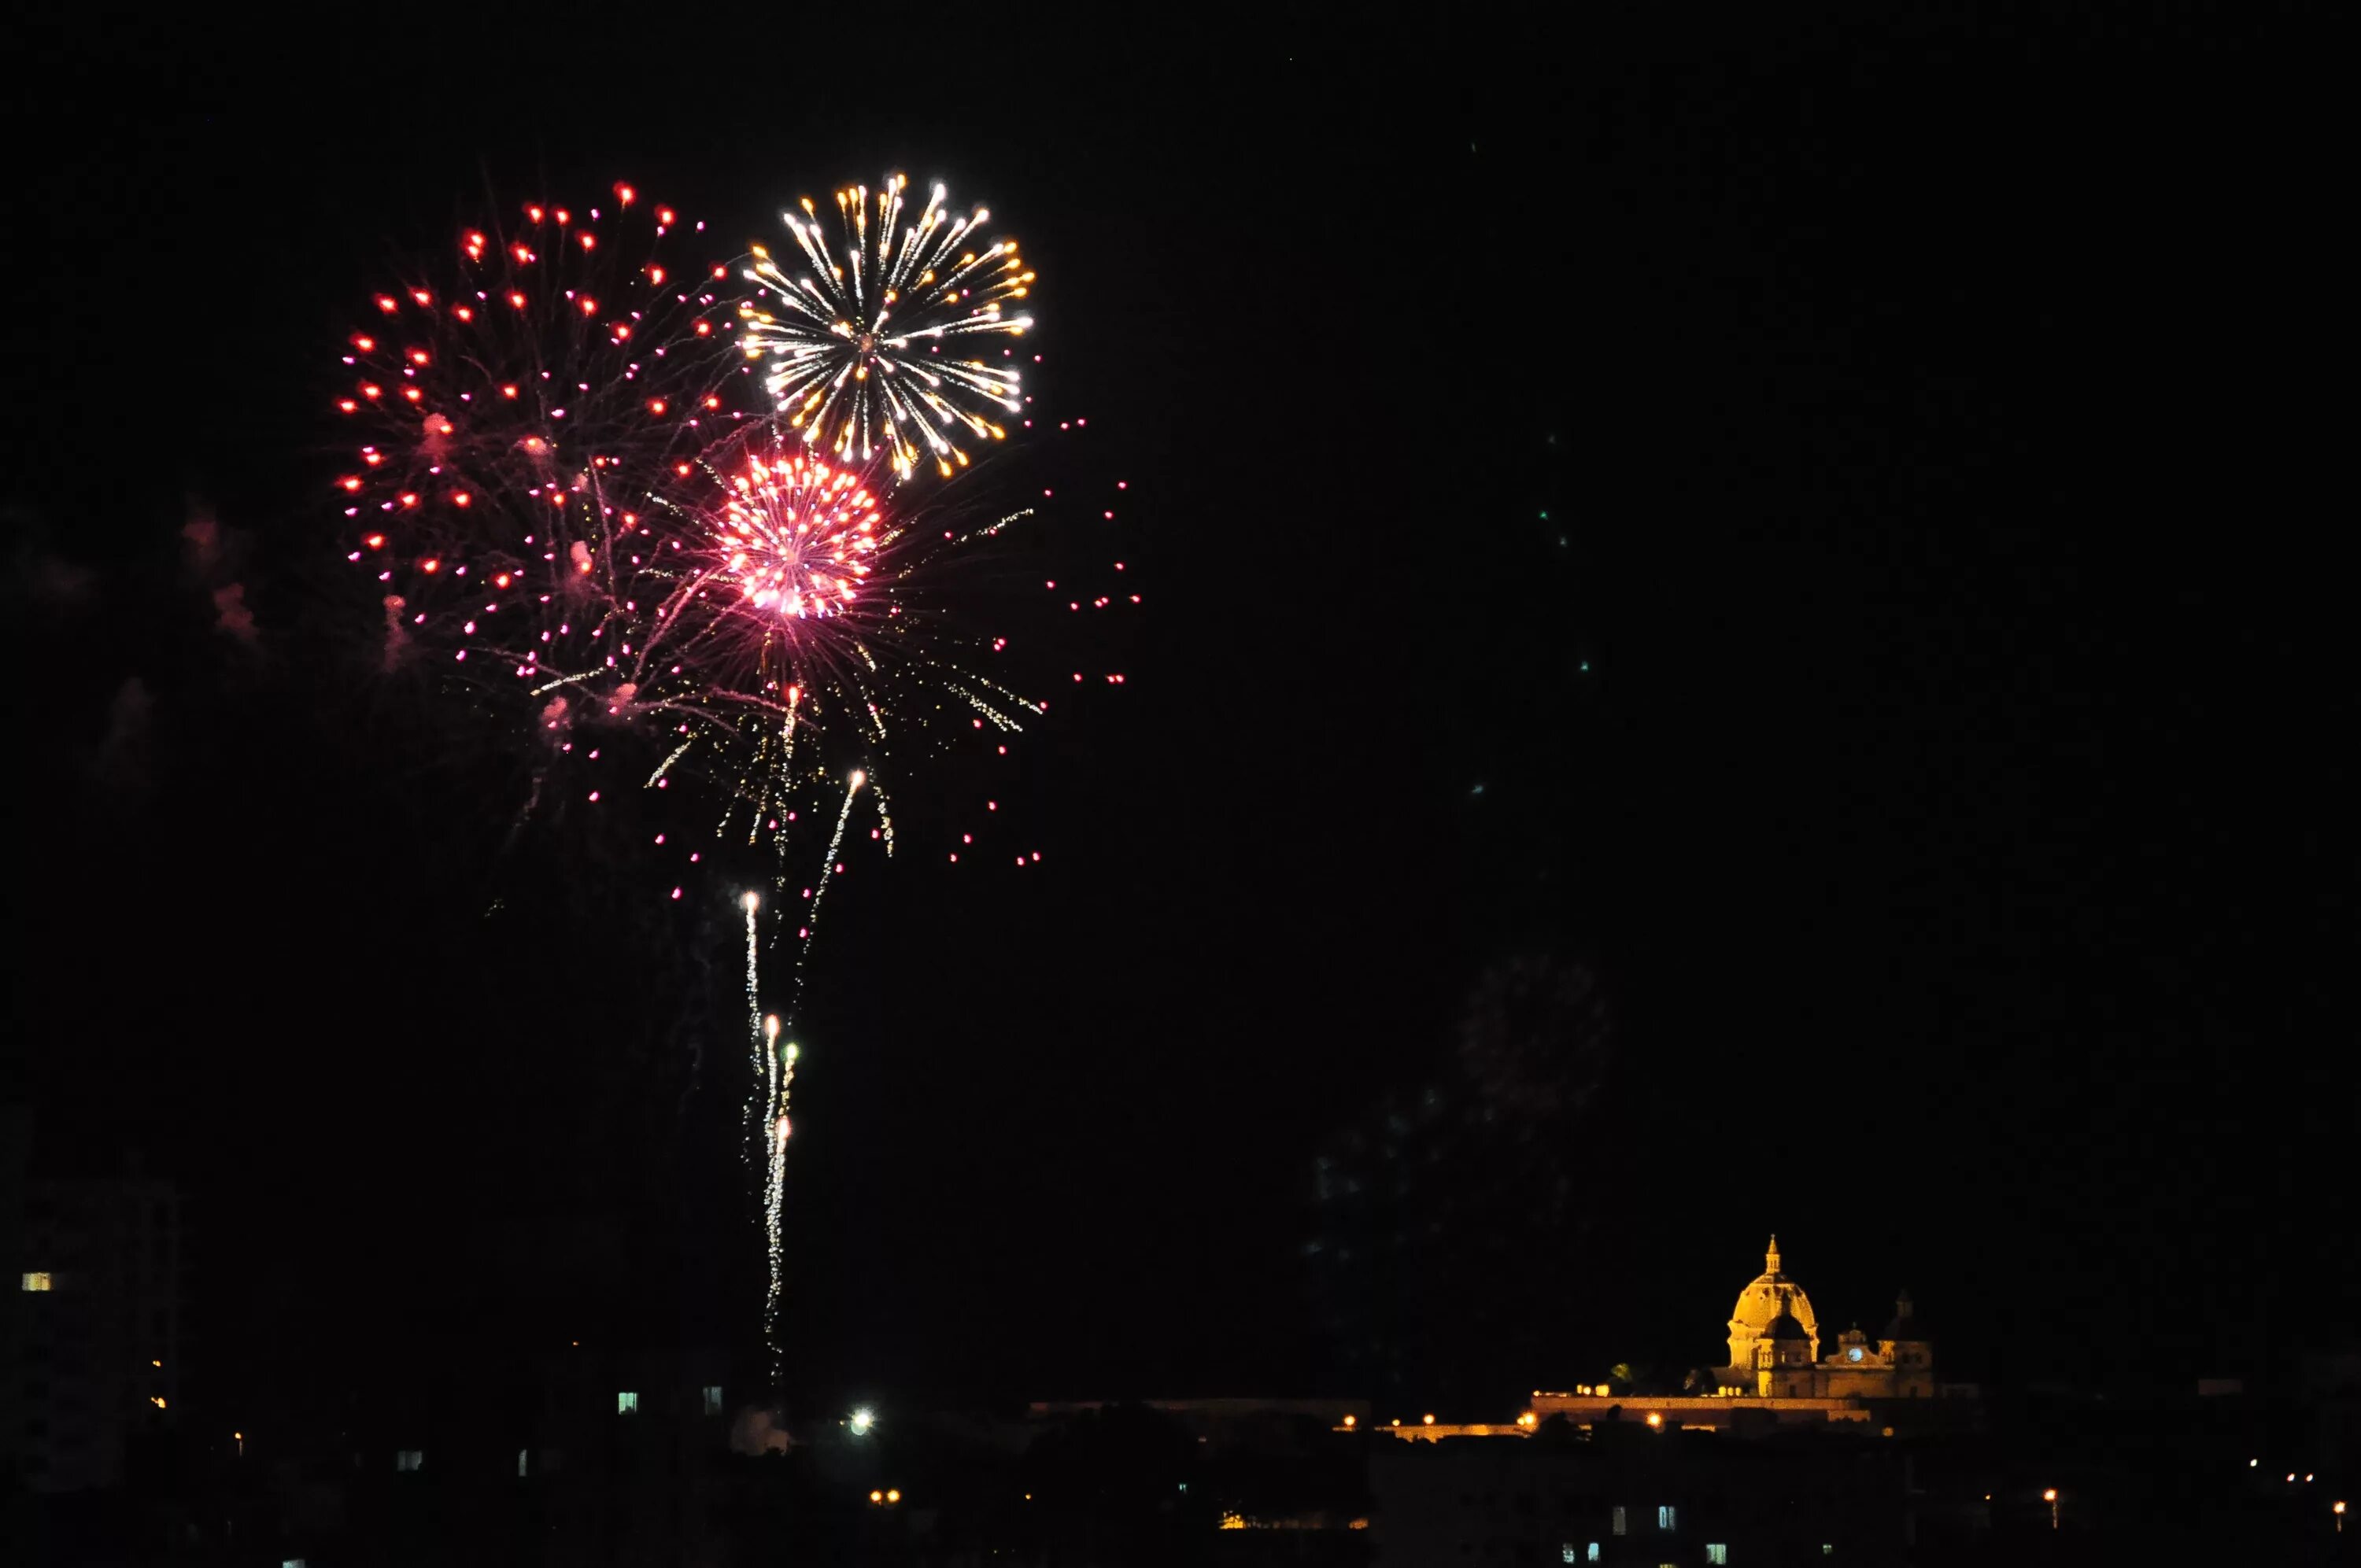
point(292, 1563)
point(1591, 1553)
point(1620, 1526)
point(1716, 1552)
point(410, 1459)
point(1826, 1549)
point(521, 1461)
point(1667, 1516)
point(1566, 1553)
point(713, 1399)
point(40, 1280)
point(627, 1403)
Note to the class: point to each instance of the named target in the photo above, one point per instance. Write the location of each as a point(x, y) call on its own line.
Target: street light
point(2050, 1497)
point(2338, 1509)
point(862, 1419)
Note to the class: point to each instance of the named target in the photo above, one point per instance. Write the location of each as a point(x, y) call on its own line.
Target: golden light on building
point(892, 1494)
point(1654, 1420)
point(1350, 1423)
point(1428, 1419)
point(874, 1497)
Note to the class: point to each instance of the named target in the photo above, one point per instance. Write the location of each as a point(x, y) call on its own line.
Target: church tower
point(1904, 1348)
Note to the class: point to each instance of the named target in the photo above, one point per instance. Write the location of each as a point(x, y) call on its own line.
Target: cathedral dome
point(1784, 1326)
point(1771, 1297)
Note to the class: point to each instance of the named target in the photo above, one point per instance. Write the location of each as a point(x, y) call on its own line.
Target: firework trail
point(758, 1037)
point(781, 1077)
point(855, 341)
point(782, 1080)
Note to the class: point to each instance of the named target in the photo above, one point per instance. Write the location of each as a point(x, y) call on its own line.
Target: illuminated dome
point(1772, 1297)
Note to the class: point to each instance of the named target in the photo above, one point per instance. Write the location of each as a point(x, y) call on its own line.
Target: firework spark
point(857, 342)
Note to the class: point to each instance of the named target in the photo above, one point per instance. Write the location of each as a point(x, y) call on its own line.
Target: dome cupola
point(1772, 1297)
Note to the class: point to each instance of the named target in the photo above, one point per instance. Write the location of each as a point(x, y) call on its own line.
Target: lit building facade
point(1776, 1350)
point(1782, 1371)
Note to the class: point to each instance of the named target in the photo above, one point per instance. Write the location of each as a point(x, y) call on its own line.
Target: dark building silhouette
point(94, 1330)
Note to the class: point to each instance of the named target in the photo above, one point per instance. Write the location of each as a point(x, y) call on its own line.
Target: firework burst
point(517, 417)
point(865, 327)
point(787, 630)
point(574, 521)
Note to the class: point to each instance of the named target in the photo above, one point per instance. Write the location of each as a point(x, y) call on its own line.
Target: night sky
point(1825, 529)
